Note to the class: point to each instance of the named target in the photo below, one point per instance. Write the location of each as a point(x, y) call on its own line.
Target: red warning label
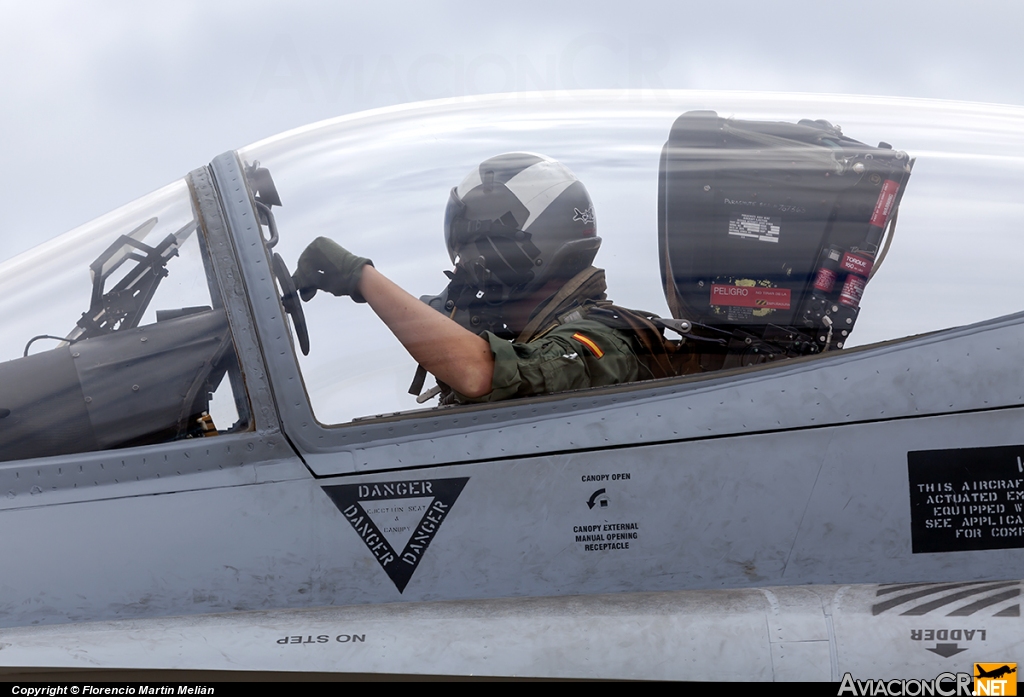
point(855, 264)
point(825, 281)
point(750, 296)
point(883, 206)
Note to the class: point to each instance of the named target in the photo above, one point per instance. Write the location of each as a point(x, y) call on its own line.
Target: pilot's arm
point(449, 352)
point(572, 356)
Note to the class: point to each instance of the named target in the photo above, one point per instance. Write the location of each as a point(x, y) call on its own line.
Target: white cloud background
point(105, 101)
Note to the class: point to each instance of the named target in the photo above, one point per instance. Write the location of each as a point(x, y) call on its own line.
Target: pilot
point(533, 315)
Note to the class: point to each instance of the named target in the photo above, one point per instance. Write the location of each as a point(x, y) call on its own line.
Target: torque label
point(966, 499)
point(856, 264)
point(392, 515)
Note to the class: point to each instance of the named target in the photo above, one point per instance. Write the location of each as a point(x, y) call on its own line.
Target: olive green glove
point(326, 265)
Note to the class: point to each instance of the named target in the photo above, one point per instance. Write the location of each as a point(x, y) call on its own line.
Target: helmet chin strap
point(476, 300)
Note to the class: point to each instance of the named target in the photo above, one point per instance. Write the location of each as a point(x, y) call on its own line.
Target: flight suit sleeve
point(573, 356)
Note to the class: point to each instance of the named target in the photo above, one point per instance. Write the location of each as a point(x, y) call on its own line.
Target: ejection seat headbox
point(771, 229)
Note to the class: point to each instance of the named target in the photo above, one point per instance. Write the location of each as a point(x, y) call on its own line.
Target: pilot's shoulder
point(597, 338)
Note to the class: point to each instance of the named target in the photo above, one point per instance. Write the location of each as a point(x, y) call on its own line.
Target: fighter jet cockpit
point(750, 234)
point(733, 233)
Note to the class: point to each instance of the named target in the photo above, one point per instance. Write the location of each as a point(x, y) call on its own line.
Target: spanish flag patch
point(589, 343)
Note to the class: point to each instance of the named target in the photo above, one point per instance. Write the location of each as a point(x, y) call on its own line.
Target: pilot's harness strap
point(588, 285)
point(657, 353)
point(583, 296)
point(416, 388)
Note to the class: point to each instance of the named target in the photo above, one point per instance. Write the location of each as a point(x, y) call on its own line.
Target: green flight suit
point(572, 356)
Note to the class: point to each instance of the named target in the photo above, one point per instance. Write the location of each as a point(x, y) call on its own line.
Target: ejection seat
point(769, 232)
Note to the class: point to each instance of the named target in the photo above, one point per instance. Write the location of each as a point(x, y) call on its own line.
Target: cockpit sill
point(664, 387)
point(956, 371)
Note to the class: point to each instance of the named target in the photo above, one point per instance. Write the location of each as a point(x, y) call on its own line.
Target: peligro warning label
point(966, 499)
point(750, 296)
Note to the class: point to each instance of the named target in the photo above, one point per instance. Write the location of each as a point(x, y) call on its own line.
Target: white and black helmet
point(518, 220)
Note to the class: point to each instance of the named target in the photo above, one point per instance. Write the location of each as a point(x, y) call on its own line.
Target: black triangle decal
point(351, 500)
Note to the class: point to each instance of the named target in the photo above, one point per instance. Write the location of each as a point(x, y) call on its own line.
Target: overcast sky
point(105, 101)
